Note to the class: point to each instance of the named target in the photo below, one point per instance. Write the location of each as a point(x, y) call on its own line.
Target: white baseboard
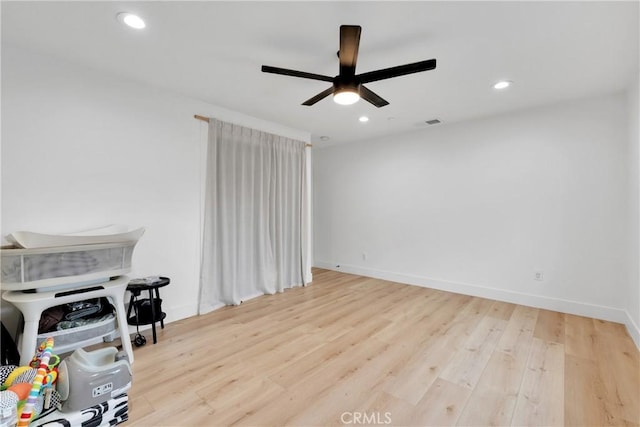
point(538, 301)
point(633, 329)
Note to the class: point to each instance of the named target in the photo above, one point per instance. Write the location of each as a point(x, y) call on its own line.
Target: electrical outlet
point(538, 275)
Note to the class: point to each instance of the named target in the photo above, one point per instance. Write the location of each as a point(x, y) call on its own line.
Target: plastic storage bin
point(69, 339)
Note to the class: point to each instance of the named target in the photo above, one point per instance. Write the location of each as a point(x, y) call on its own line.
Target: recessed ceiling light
point(324, 138)
point(364, 119)
point(133, 21)
point(502, 84)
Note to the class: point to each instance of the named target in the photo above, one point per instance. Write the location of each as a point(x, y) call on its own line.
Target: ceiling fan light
point(346, 97)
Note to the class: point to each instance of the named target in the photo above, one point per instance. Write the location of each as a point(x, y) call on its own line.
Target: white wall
point(633, 299)
point(82, 149)
point(478, 207)
point(473, 207)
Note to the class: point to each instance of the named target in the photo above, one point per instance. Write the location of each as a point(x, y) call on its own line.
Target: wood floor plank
point(603, 326)
point(354, 395)
point(386, 406)
point(357, 345)
point(550, 326)
point(541, 397)
point(238, 398)
point(585, 394)
point(139, 406)
point(441, 405)
point(412, 382)
point(300, 370)
point(467, 365)
point(620, 374)
point(580, 337)
point(320, 385)
point(490, 408)
point(494, 398)
point(187, 411)
point(453, 330)
point(417, 316)
point(501, 310)
point(518, 334)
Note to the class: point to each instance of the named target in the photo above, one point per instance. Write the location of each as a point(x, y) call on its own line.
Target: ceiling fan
point(348, 87)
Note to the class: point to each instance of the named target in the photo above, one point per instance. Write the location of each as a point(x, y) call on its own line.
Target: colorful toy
point(21, 390)
point(42, 360)
point(18, 380)
point(21, 374)
point(26, 391)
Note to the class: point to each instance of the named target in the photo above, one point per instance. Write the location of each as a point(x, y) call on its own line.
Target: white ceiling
point(213, 51)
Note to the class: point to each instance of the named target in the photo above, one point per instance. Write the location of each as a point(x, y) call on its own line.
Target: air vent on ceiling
point(432, 122)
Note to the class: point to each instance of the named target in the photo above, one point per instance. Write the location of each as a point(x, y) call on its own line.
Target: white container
point(68, 339)
point(24, 269)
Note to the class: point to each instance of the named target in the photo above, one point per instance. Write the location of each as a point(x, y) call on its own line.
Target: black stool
point(136, 287)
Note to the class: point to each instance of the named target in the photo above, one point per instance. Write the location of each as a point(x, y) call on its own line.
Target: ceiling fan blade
point(349, 43)
point(318, 97)
point(400, 70)
point(294, 73)
point(372, 97)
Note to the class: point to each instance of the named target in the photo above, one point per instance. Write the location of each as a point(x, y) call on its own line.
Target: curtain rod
point(206, 119)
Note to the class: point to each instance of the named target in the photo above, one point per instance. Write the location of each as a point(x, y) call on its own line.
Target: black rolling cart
point(146, 310)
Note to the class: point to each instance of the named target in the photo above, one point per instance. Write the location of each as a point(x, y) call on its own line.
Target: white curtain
point(256, 218)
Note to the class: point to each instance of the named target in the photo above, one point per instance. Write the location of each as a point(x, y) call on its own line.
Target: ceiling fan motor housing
point(346, 84)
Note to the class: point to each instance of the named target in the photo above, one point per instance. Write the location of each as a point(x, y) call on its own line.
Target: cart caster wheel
point(139, 340)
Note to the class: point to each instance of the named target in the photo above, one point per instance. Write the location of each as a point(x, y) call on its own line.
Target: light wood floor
point(350, 348)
